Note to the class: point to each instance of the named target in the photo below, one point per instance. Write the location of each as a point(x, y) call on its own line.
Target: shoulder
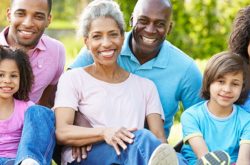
point(175, 54)
point(23, 105)
point(72, 73)
point(145, 82)
point(196, 109)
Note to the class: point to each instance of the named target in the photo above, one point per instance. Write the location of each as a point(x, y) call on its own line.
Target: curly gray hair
point(100, 8)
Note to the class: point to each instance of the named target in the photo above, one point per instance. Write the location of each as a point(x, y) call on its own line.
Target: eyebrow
point(16, 71)
point(99, 31)
point(155, 20)
point(24, 10)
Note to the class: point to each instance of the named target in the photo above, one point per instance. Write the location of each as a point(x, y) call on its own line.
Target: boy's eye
point(1, 75)
point(221, 81)
point(236, 84)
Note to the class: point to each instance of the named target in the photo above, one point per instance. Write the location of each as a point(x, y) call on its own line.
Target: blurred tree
point(127, 8)
point(201, 27)
point(68, 10)
point(3, 7)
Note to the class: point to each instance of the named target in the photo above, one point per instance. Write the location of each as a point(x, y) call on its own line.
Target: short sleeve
point(67, 94)
point(245, 136)
point(190, 125)
point(153, 100)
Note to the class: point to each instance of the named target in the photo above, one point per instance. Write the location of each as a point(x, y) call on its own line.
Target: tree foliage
point(4, 4)
point(201, 27)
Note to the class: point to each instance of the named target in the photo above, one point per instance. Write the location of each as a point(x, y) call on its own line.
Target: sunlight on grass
point(175, 134)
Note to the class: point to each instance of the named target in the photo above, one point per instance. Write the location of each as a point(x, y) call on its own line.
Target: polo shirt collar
point(160, 61)
point(2, 37)
point(41, 44)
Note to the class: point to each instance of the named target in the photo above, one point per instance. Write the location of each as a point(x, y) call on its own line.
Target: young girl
point(219, 123)
point(16, 79)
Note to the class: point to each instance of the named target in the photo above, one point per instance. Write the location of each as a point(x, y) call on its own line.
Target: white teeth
point(26, 33)
point(148, 40)
point(107, 53)
point(6, 88)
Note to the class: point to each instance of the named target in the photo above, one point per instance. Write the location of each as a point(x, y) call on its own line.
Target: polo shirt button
point(40, 66)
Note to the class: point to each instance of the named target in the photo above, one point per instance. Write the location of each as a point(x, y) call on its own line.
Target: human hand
point(119, 137)
point(80, 153)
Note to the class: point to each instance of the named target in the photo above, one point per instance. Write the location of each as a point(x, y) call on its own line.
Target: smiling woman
point(104, 41)
point(125, 101)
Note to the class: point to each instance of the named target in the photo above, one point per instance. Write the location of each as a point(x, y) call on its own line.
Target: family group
point(116, 102)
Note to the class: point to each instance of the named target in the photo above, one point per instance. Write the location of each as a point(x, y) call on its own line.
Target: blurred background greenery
point(201, 27)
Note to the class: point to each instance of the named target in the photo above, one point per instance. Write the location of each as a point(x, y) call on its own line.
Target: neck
point(219, 111)
point(12, 43)
point(6, 108)
point(141, 55)
point(110, 74)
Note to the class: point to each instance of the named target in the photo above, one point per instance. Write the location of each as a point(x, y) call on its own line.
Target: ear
point(8, 15)
point(86, 42)
point(49, 20)
point(170, 26)
point(131, 21)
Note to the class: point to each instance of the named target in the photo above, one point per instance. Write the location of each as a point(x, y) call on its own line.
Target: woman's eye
point(96, 36)
point(114, 34)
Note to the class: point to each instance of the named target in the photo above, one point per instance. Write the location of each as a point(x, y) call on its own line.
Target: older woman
point(114, 101)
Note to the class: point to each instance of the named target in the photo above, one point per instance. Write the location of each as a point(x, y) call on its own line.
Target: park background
point(201, 29)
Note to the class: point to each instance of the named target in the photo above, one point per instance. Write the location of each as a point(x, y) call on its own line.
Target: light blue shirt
point(219, 133)
point(175, 74)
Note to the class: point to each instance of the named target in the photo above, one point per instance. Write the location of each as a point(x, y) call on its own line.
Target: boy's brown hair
point(219, 65)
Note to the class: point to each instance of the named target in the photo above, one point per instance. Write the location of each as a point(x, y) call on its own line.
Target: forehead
point(30, 5)
point(232, 75)
point(154, 9)
point(103, 24)
point(8, 64)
